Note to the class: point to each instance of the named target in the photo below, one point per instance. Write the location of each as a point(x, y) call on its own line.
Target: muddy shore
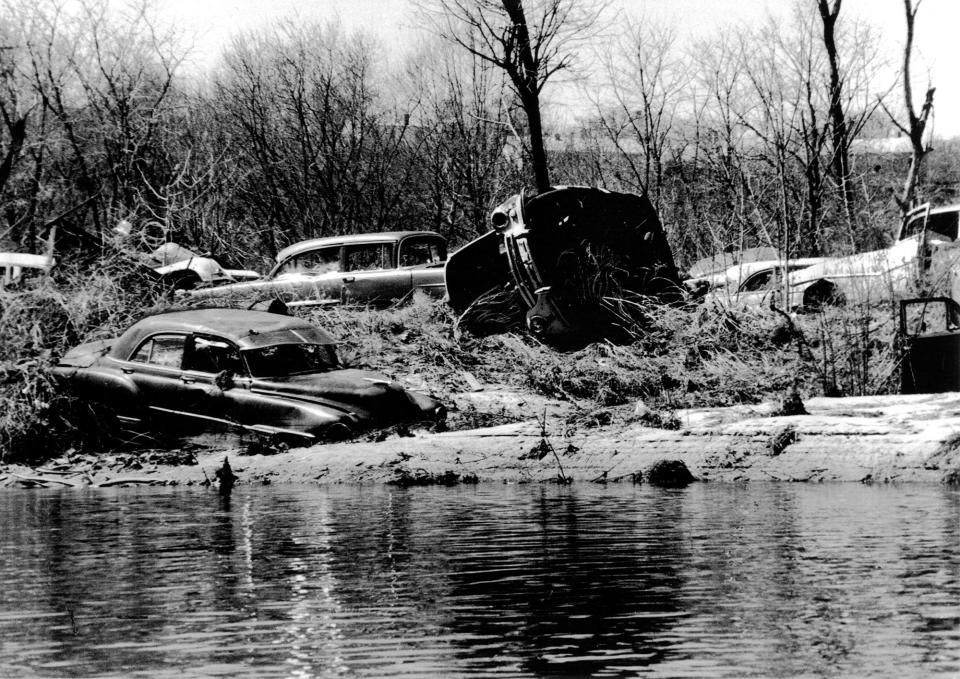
point(878, 439)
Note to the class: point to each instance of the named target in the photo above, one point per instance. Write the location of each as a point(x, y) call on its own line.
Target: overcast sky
point(393, 22)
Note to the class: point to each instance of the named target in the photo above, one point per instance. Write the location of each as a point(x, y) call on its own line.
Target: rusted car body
point(930, 345)
point(571, 254)
point(180, 268)
point(231, 371)
point(924, 258)
point(373, 268)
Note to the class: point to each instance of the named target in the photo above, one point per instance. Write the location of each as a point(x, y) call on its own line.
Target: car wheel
point(822, 294)
point(338, 432)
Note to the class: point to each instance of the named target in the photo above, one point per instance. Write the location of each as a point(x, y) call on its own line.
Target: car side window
point(320, 261)
point(759, 281)
point(213, 355)
point(944, 224)
point(414, 251)
point(914, 226)
point(369, 257)
point(162, 350)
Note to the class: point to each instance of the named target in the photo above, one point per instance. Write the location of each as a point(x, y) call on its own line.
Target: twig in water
point(546, 441)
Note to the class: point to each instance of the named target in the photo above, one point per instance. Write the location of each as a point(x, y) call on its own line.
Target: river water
point(715, 580)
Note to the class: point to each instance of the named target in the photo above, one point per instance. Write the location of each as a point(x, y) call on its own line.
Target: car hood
point(365, 393)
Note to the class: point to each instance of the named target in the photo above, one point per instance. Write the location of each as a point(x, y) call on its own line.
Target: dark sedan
point(221, 370)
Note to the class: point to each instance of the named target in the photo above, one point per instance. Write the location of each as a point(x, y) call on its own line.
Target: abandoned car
point(573, 256)
point(180, 268)
point(373, 268)
point(234, 371)
point(922, 259)
point(755, 284)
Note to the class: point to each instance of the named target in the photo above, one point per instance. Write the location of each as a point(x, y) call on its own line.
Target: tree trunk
point(840, 138)
point(918, 151)
point(917, 124)
point(18, 133)
point(538, 152)
point(525, 76)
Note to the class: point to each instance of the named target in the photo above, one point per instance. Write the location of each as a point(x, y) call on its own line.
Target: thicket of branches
point(307, 130)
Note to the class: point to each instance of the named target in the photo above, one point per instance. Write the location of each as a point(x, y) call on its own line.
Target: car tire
point(338, 431)
point(822, 294)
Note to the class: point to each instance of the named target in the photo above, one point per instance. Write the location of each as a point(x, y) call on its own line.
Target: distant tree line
point(305, 130)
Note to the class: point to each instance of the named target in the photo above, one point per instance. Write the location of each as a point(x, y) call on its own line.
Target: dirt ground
point(877, 439)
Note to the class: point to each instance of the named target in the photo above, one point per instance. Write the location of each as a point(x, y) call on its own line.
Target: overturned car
point(233, 371)
point(574, 258)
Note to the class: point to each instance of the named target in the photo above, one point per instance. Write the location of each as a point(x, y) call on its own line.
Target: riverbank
point(877, 439)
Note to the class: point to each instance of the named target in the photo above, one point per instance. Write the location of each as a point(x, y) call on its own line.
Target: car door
point(370, 275)
point(310, 277)
point(217, 376)
point(228, 404)
point(759, 288)
point(155, 367)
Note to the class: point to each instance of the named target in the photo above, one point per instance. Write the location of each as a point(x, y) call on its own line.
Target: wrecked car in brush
point(923, 259)
point(755, 284)
point(179, 268)
point(235, 371)
point(573, 259)
point(372, 268)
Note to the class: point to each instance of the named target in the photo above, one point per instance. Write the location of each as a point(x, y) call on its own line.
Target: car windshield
point(282, 360)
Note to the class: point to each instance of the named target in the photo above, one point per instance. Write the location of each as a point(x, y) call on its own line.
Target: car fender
point(207, 269)
point(102, 385)
point(431, 281)
point(311, 416)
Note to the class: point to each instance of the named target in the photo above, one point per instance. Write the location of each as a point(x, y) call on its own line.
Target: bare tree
point(323, 151)
point(530, 41)
point(464, 125)
point(14, 117)
point(916, 123)
point(647, 86)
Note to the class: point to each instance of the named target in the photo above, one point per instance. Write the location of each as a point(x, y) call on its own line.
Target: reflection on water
point(713, 580)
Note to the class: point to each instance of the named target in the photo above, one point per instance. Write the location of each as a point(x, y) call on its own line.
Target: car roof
point(940, 209)
point(314, 243)
point(248, 329)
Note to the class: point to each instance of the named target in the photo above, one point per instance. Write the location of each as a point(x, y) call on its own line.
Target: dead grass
point(38, 323)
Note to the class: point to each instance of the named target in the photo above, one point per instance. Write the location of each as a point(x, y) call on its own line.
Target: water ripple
point(711, 581)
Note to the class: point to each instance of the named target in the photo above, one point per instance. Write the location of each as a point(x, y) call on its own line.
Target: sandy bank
point(865, 439)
